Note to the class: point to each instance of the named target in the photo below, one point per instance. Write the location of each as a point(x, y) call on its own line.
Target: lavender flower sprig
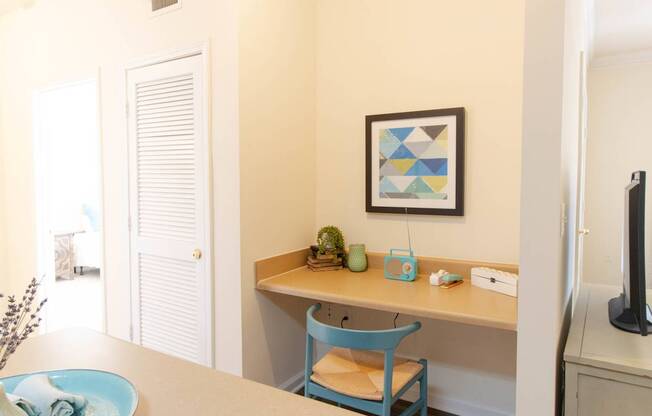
point(19, 321)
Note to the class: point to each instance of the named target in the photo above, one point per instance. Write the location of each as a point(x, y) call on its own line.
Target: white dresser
point(608, 371)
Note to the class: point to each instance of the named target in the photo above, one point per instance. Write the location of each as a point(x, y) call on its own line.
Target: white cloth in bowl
point(48, 399)
point(25, 405)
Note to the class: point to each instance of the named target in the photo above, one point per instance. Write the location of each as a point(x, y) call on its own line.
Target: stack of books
point(324, 262)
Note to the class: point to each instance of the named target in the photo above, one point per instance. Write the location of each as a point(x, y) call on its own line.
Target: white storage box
point(496, 280)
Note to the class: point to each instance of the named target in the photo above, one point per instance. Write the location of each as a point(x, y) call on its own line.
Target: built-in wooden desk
point(464, 304)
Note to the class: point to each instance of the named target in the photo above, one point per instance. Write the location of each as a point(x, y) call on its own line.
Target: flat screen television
point(630, 311)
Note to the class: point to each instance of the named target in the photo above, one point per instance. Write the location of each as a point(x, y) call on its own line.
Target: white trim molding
point(590, 29)
point(197, 48)
point(624, 58)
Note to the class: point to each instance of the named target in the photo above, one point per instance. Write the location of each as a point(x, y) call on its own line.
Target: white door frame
point(41, 200)
point(579, 230)
point(202, 49)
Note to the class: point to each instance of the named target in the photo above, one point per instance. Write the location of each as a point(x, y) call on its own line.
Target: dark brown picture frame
point(459, 114)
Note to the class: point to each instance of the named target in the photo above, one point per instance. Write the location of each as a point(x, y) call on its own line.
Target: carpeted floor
point(75, 303)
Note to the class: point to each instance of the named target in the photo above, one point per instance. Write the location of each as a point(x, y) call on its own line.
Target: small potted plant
point(330, 241)
point(328, 253)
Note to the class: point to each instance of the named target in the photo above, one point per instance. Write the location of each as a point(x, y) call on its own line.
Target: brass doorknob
point(196, 254)
point(584, 231)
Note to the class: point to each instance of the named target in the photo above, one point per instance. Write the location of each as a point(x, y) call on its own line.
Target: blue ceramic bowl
point(108, 394)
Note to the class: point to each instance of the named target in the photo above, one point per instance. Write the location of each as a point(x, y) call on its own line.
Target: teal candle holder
point(357, 259)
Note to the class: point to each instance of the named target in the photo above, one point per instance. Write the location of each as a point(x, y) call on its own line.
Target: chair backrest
point(356, 339)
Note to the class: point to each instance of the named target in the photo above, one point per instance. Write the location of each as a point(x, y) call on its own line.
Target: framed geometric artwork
point(415, 161)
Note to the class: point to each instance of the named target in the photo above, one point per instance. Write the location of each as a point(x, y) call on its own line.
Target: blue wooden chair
point(354, 375)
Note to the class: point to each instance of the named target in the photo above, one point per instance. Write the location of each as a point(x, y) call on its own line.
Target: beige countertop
point(465, 304)
point(166, 385)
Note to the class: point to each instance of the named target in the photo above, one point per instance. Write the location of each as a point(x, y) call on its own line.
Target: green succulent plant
point(330, 238)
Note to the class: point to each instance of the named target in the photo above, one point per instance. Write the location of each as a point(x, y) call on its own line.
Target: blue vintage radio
point(401, 267)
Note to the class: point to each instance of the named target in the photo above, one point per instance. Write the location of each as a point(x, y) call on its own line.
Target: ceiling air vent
point(163, 6)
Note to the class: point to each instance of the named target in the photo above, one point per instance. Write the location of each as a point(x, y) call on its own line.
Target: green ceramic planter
point(357, 260)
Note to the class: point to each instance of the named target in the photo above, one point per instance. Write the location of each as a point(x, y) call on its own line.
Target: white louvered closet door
point(169, 203)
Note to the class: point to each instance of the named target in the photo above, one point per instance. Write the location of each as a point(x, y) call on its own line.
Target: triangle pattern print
point(436, 150)
point(418, 135)
point(417, 148)
point(420, 169)
point(402, 153)
point(387, 186)
point(403, 165)
point(388, 169)
point(413, 163)
point(436, 183)
point(387, 143)
point(438, 167)
point(435, 131)
point(401, 133)
point(418, 186)
point(401, 182)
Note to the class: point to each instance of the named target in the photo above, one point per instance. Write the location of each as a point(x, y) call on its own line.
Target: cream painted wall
point(620, 104)
point(391, 56)
point(337, 63)
point(277, 143)
point(37, 51)
point(4, 276)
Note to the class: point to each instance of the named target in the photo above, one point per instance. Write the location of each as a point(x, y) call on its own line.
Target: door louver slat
point(174, 332)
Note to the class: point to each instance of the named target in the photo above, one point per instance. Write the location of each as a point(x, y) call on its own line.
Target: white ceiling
point(622, 26)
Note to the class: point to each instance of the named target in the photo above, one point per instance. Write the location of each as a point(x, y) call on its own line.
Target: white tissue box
point(496, 280)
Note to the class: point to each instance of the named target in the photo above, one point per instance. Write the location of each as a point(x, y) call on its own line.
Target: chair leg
point(423, 388)
point(307, 372)
point(387, 406)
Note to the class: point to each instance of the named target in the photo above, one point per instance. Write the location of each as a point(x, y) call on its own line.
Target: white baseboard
point(446, 404)
point(293, 384)
point(454, 406)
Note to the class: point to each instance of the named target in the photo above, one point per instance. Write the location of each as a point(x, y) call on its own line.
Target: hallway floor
point(76, 303)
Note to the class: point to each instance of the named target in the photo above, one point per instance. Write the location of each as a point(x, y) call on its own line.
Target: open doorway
point(68, 205)
point(619, 86)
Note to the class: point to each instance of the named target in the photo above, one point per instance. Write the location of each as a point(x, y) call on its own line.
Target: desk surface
point(593, 341)
point(464, 304)
point(166, 385)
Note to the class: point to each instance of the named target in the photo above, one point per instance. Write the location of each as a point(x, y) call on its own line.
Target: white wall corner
point(556, 34)
point(541, 197)
point(226, 192)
